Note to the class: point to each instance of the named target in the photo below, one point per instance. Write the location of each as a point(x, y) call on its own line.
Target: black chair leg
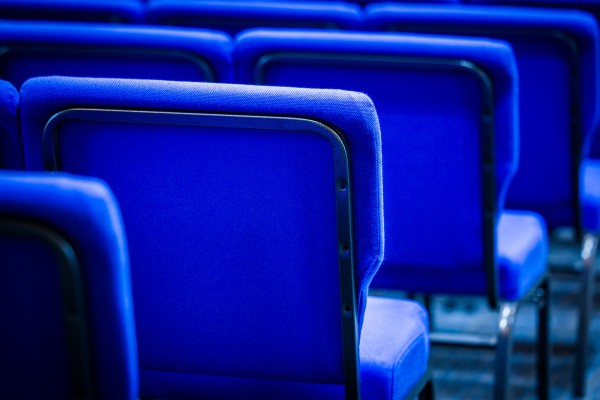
point(428, 392)
point(588, 255)
point(506, 322)
point(543, 343)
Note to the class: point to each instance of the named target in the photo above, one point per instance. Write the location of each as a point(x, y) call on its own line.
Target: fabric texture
point(232, 17)
point(11, 146)
point(116, 51)
point(207, 186)
point(84, 211)
point(544, 181)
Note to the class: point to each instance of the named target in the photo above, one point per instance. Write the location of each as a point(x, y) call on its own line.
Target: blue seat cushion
point(394, 351)
point(522, 245)
point(394, 348)
point(590, 194)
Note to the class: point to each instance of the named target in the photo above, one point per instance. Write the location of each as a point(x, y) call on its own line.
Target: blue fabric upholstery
point(195, 200)
point(11, 147)
point(83, 211)
point(394, 350)
point(73, 10)
point(234, 16)
point(522, 254)
point(426, 138)
point(590, 188)
point(544, 181)
point(102, 50)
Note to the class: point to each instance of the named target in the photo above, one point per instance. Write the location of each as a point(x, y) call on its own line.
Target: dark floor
point(466, 373)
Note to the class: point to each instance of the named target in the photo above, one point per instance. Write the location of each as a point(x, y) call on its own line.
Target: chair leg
point(428, 392)
point(506, 322)
point(588, 255)
point(543, 343)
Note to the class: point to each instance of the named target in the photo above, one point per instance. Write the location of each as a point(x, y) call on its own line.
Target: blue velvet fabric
point(544, 181)
point(11, 146)
point(118, 51)
point(234, 16)
point(225, 283)
point(590, 194)
point(522, 245)
point(431, 131)
point(84, 212)
point(73, 10)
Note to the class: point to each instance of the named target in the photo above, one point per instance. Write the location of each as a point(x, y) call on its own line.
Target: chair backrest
point(73, 10)
point(68, 330)
point(11, 147)
point(440, 101)
point(235, 16)
point(557, 57)
point(31, 49)
point(236, 205)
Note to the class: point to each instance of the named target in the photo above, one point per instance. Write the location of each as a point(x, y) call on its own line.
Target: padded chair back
point(73, 10)
point(235, 16)
point(591, 6)
point(68, 328)
point(445, 104)
point(557, 56)
point(31, 49)
point(11, 146)
point(236, 207)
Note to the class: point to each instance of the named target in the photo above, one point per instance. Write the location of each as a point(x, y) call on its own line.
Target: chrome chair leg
point(506, 322)
point(588, 255)
point(543, 343)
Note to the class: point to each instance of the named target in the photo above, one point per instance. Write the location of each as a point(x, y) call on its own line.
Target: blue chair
point(67, 329)
point(448, 109)
point(235, 16)
point(591, 6)
point(11, 148)
point(31, 49)
point(254, 232)
point(128, 11)
point(557, 57)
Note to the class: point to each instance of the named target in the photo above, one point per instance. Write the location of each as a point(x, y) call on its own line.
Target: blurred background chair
point(68, 330)
point(449, 120)
point(114, 11)
point(30, 49)
point(557, 57)
point(11, 147)
point(234, 16)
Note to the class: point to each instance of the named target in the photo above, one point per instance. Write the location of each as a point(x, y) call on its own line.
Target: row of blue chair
point(483, 71)
point(253, 218)
point(291, 69)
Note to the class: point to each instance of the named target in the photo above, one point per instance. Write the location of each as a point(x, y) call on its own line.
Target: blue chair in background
point(591, 6)
point(68, 330)
point(234, 16)
point(255, 224)
point(127, 11)
point(30, 49)
point(448, 112)
point(557, 57)
point(11, 148)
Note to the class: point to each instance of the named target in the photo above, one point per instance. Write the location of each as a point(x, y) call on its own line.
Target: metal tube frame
point(342, 187)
